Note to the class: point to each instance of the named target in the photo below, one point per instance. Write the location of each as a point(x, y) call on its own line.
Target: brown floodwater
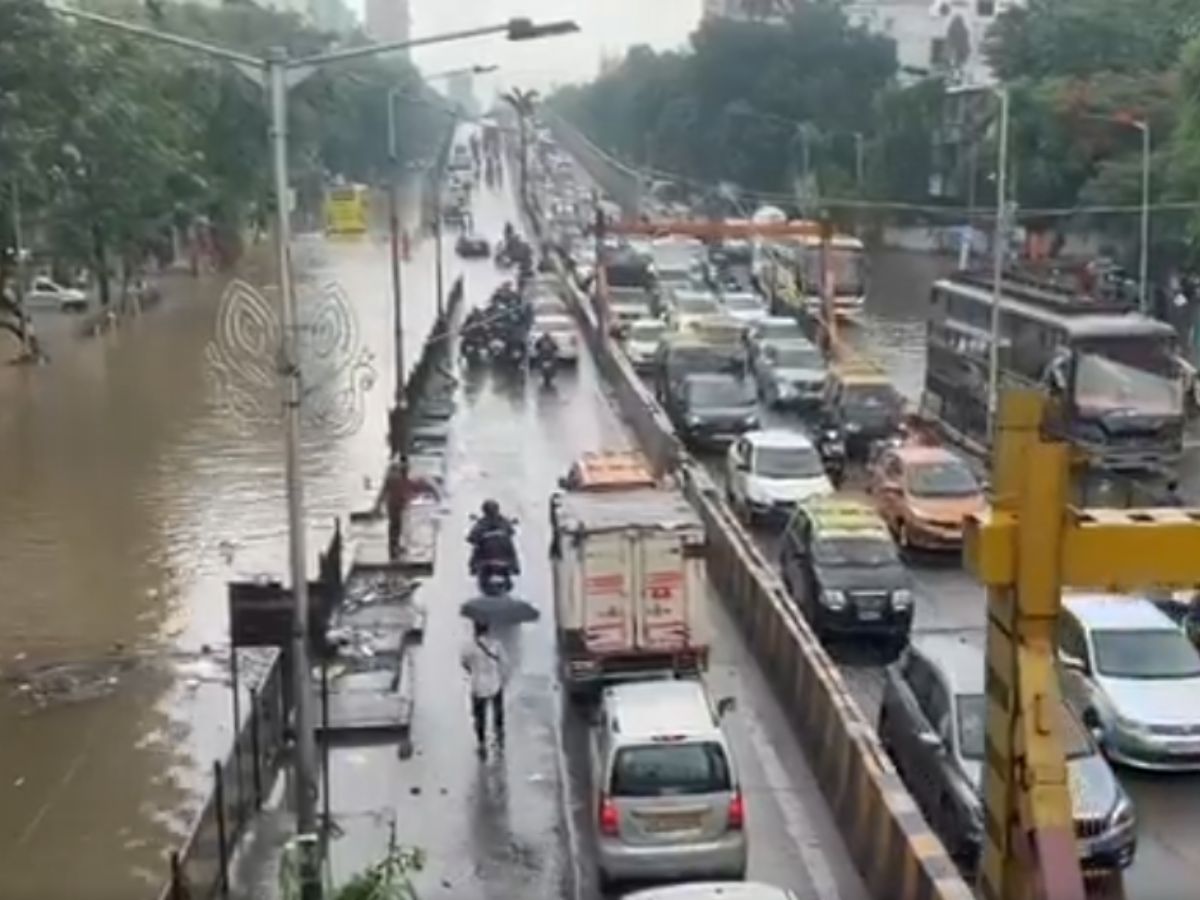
point(128, 498)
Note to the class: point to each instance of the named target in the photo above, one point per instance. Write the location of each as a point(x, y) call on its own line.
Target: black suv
point(709, 409)
point(841, 568)
point(863, 406)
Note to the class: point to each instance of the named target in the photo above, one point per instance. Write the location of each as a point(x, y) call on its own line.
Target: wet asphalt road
point(949, 600)
point(518, 824)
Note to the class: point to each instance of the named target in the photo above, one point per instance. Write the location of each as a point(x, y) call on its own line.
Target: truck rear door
point(607, 582)
point(662, 590)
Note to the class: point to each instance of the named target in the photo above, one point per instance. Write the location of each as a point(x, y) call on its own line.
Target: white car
point(45, 294)
point(685, 307)
point(1134, 678)
point(562, 329)
point(641, 342)
point(769, 472)
point(745, 306)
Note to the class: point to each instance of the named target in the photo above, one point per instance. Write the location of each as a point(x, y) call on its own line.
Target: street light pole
point(394, 234)
point(306, 745)
point(998, 241)
point(1144, 261)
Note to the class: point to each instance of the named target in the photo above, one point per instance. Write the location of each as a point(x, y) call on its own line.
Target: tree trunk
point(100, 260)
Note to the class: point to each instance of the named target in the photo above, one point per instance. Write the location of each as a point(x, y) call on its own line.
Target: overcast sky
point(607, 26)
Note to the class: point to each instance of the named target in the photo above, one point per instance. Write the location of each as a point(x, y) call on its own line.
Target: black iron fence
point(241, 782)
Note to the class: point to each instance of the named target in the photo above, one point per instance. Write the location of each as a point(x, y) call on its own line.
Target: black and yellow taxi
point(842, 570)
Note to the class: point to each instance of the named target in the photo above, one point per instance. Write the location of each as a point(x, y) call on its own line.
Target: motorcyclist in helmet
point(491, 537)
point(545, 347)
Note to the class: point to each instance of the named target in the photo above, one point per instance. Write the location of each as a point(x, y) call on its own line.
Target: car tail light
point(608, 818)
point(737, 812)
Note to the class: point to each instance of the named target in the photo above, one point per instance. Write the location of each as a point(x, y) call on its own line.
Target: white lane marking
point(795, 819)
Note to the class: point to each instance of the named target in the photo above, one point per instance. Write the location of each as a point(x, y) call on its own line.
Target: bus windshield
point(1128, 376)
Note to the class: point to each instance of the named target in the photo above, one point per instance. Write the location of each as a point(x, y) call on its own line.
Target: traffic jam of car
point(852, 499)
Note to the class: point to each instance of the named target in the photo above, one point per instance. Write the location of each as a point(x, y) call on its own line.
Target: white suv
point(769, 472)
point(668, 803)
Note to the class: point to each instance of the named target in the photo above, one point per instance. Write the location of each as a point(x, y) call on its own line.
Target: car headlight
point(751, 420)
point(693, 420)
point(1122, 817)
point(853, 427)
point(834, 599)
point(902, 599)
point(784, 388)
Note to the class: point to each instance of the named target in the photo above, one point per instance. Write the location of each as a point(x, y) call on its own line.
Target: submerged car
point(932, 722)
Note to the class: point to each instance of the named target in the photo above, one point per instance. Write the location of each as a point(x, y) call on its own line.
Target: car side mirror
point(564, 483)
point(1069, 661)
point(726, 705)
point(931, 740)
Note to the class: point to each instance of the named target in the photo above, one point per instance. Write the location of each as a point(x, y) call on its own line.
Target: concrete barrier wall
point(898, 855)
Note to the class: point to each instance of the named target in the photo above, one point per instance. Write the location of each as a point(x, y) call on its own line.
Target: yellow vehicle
point(347, 208)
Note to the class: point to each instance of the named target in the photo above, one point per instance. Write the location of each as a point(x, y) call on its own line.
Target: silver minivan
point(668, 802)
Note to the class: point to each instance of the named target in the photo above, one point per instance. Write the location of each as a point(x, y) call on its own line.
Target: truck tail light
point(609, 821)
point(737, 812)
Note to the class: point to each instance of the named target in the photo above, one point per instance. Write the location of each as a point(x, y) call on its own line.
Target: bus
point(1115, 373)
point(800, 257)
point(347, 209)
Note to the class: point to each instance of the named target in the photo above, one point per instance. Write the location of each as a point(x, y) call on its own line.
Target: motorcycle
point(494, 576)
point(831, 445)
point(474, 352)
point(547, 365)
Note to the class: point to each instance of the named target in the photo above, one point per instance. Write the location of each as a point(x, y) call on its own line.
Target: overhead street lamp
point(1143, 126)
point(1002, 95)
point(280, 73)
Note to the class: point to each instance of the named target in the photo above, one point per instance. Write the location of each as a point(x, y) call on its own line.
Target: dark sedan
point(711, 409)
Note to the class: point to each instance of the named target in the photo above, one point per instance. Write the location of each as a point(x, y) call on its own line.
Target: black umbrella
point(499, 611)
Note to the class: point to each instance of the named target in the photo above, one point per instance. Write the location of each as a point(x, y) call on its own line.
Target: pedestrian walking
point(486, 665)
point(399, 489)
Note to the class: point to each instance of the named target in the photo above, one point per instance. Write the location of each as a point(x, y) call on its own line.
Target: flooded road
point(127, 499)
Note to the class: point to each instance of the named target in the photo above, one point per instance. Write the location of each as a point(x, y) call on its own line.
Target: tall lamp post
point(999, 240)
point(1142, 126)
point(280, 73)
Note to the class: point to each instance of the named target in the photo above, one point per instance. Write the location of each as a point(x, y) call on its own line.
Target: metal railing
point(199, 867)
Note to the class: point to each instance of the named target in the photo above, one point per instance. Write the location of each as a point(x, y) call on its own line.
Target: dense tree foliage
point(111, 140)
point(745, 103)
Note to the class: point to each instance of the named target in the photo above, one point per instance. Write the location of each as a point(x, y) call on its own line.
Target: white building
point(934, 35)
point(388, 21)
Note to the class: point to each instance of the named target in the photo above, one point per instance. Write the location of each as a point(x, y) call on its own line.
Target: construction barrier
point(898, 855)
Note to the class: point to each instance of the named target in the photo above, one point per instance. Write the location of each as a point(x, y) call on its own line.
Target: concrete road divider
point(898, 855)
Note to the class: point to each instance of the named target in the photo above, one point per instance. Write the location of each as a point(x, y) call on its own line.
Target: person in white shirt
point(486, 666)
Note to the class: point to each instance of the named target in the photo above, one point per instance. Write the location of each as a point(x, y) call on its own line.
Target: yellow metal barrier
point(1026, 550)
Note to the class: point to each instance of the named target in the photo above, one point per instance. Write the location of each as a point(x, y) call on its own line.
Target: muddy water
point(127, 499)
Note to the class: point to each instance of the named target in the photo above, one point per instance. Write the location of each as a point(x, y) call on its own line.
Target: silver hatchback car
point(668, 804)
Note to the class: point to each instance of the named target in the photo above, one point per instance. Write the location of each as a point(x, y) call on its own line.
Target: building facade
point(934, 36)
point(388, 21)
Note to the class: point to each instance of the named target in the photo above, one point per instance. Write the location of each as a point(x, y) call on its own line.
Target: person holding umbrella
point(486, 665)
